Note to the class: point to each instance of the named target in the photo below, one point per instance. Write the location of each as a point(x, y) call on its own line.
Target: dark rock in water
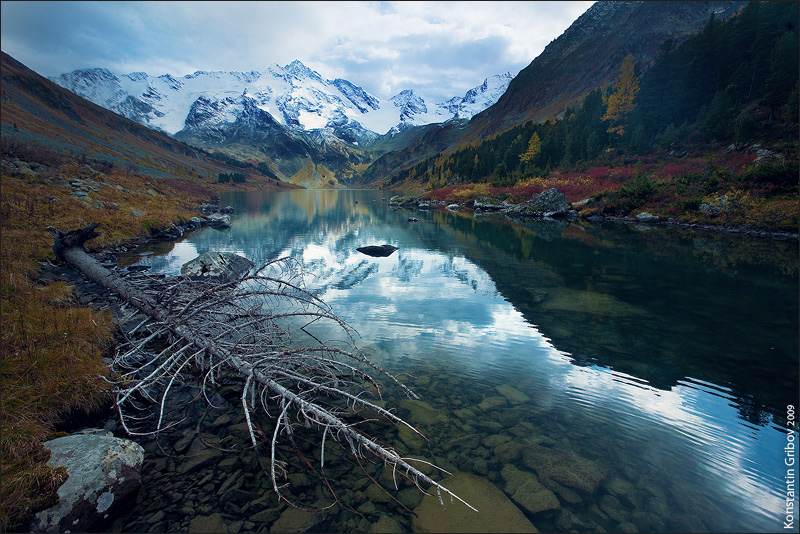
point(226, 266)
point(139, 268)
point(413, 219)
point(378, 251)
point(104, 474)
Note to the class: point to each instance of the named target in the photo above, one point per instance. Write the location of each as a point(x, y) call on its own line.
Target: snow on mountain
point(296, 96)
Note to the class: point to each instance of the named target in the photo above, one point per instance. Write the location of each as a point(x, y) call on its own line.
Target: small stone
point(490, 403)
point(367, 508)
point(513, 395)
point(386, 525)
point(375, 494)
point(210, 523)
point(294, 520)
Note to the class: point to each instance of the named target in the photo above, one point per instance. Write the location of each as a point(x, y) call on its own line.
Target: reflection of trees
point(660, 305)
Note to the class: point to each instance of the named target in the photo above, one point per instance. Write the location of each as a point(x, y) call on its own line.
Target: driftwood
point(247, 328)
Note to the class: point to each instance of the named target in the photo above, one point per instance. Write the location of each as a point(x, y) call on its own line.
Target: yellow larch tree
point(621, 101)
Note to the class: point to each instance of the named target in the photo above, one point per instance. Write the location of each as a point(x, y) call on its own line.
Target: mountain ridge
point(284, 115)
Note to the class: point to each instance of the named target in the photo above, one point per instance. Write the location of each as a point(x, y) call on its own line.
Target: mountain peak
point(300, 71)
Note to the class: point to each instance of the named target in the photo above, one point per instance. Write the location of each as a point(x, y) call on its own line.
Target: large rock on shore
point(496, 513)
point(103, 477)
point(225, 266)
point(549, 203)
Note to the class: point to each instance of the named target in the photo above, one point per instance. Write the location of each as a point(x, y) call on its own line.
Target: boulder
point(496, 513)
point(526, 490)
point(645, 217)
point(422, 412)
point(565, 467)
point(399, 200)
point(488, 204)
point(378, 251)
point(454, 207)
point(386, 525)
point(549, 203)
point(225, 266)
point(512, 394)
point(208, 523)
point(103, 477)
point(220, 220)
point(295, 520)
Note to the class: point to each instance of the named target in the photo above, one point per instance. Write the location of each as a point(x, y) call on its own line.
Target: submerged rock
point(103, 476)
point(226, 266)
point(295, 520)
point(496, 513)
point(565, 467)
point(378, 251)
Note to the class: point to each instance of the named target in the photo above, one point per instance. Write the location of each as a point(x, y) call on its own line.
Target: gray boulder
point(549, 203)
point(488, 204)
point(103, 477)
point(400, 200)
point(220, 220)
point(645, 217)
point(225, 266)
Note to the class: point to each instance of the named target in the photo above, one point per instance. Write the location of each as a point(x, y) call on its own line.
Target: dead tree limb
point(245, 327)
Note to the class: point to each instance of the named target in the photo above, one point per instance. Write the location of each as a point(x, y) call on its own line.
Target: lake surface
point(656, 363)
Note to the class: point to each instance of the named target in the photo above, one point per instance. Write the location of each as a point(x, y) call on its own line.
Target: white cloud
point(440, 49)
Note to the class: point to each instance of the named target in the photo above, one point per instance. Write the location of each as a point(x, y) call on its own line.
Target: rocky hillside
point(588, 55)
point(36, 109)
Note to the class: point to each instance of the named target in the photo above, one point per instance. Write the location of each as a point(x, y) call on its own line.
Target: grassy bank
point(729, 189)
point(51, 346)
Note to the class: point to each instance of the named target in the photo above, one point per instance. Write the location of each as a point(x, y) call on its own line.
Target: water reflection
point(653, 352)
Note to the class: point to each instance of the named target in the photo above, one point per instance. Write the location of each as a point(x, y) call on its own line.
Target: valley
point(644, 330)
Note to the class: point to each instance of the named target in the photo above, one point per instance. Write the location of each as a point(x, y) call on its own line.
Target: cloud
point(440, 49)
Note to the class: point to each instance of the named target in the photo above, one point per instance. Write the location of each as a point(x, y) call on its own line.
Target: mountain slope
point(588, 55)
point(34, 108)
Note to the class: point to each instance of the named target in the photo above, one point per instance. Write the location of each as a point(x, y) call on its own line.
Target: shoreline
point(421, 203)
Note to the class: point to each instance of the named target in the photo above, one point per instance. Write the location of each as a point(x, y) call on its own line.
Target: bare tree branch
point(247, 327)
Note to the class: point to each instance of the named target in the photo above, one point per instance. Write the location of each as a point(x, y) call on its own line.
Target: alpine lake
point(605, 377)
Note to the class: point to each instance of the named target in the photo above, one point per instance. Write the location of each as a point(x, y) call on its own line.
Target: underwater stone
point(496, 513)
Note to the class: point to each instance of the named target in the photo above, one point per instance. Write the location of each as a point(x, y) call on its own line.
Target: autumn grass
point(52, 348)
point(748, 193)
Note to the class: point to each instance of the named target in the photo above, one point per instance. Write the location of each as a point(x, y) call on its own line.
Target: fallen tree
point(248, 328)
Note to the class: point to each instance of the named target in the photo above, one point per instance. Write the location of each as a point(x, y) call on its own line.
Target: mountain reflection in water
point(668, 355)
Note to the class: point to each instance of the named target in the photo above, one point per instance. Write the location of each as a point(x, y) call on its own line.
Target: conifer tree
point(534, 147)
point(621, 101)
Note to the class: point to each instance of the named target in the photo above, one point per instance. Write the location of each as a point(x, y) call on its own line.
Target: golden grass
point(52, 348)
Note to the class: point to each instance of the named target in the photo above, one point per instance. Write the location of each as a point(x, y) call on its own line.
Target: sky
point(439, 49)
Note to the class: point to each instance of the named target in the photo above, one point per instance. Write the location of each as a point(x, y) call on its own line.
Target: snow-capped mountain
point(295, 96)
